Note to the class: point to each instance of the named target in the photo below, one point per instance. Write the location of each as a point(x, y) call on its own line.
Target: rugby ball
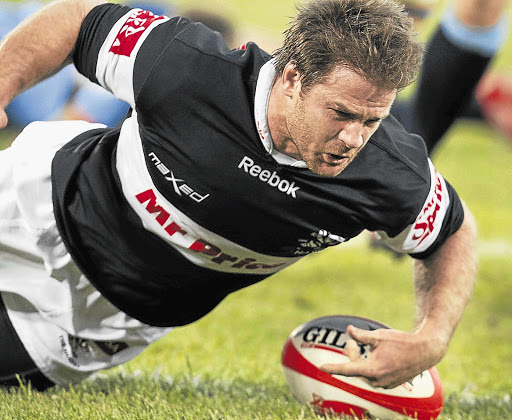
point(321, 341)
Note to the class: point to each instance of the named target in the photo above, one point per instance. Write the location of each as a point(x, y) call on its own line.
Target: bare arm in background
point(39, 47)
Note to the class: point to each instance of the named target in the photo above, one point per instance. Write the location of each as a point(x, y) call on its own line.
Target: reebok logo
point(271, 178)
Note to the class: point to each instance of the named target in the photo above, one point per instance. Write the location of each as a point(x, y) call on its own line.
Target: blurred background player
point(458, 54)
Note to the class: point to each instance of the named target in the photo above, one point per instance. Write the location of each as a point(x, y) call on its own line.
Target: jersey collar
point(263, 88)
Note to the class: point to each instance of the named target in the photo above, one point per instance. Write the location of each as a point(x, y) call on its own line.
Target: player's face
point(332, 121)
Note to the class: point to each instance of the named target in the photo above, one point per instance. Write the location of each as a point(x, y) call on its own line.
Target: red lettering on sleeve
point(425, 225)
point(131, 32)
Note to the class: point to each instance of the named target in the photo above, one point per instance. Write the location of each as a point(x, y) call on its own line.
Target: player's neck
point(276, 117)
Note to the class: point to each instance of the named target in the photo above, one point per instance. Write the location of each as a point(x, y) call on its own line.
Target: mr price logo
point(214, 253)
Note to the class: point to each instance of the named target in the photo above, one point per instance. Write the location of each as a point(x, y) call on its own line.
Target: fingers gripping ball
point(324, 340)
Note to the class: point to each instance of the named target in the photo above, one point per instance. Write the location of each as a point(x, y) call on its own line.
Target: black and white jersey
point(188, 201)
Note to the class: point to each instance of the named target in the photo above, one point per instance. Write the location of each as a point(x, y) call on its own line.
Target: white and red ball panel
point(322, 341)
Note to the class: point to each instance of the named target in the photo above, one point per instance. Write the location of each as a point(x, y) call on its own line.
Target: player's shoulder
point(182, 38)
point(402, 151)
point(212, 45)
point(395, 172)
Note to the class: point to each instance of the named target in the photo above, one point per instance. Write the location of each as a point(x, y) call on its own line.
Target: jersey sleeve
point(440, 216)
point(109, 41)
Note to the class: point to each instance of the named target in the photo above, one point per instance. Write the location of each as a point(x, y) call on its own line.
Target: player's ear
point(290, 79)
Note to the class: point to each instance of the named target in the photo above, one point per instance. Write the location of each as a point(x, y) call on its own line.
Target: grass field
point(227, 365)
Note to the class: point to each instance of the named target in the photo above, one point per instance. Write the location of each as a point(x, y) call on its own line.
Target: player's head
point(375, 38)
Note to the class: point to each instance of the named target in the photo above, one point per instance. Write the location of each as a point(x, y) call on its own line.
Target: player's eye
point(372, 123)
point(341, 115)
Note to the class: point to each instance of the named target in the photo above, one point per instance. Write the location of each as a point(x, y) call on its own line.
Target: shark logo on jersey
point(318, 241)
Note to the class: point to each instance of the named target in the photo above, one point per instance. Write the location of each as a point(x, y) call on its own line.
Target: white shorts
point(68, 328)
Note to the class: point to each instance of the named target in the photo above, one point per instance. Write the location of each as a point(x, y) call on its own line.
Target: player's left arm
point(444, 283)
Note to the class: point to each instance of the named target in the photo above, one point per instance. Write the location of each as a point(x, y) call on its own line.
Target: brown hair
point(375, 38)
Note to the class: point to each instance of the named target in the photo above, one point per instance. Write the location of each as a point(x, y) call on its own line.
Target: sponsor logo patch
point(271, 178)
point(179, 185)
point(211, 252)
point(426, 223)
point(427, 226)
point(131, 32)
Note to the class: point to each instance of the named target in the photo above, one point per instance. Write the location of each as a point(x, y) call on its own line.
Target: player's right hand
point(395, 357)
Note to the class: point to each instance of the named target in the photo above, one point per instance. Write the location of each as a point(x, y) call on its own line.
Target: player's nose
point(352, 134)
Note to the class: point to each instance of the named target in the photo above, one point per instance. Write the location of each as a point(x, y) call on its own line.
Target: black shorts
point(14, 359)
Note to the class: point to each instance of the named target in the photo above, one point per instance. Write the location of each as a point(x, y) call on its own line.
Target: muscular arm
point(39, 47)
point(444, 284)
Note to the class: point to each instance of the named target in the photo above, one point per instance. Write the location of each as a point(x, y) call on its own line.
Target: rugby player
point(232, 165)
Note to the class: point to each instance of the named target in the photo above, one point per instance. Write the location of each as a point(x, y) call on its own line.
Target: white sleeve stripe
point(114, 71)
